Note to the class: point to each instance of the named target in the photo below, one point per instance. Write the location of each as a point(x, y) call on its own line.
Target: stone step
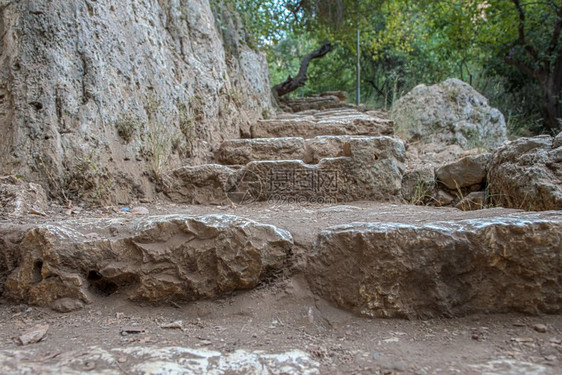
point(243, 151)
point(315, 103)
point(310, 150)
point(377, 260)
point(396, 270)
point(162, 258)
point(318, 124)
point(348, 168)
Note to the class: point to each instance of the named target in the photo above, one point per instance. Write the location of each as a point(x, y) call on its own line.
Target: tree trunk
point(550, 107)
point(291, 84)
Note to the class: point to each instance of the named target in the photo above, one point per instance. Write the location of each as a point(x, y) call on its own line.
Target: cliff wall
point(99, 98)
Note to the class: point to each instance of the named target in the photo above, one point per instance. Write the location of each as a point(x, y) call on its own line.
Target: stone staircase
point(373, 259)
point(319, 155)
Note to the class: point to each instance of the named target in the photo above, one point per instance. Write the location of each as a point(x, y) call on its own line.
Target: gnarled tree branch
point(291, 84)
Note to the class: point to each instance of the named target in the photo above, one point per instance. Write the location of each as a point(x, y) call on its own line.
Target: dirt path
point(281, 328)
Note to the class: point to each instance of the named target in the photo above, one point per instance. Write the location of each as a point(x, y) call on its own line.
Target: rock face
point(160, 259)
point(470, 170)
point(452, 113)
point(98, 97)
point(441, 269)
point(527, 174)
point(20, 198)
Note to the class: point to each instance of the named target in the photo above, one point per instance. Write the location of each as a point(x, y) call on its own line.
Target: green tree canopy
point(511, 50)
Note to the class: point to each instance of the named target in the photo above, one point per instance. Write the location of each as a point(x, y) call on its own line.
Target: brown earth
point(280, 327)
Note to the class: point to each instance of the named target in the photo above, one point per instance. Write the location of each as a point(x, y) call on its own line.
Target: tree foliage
point(511, 50)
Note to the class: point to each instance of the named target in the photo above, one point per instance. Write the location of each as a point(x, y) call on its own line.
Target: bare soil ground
point(278, 328)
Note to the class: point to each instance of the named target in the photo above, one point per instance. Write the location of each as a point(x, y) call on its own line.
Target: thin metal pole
point(358, 95)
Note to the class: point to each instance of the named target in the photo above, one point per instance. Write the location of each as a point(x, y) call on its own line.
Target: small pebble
point(540, 328)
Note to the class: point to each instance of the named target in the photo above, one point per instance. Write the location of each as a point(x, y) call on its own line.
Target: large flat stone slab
point(350, 123)
point(372, 170)
point(243, 151)
point(156, 259)
point(202, 184)
point(441, 269)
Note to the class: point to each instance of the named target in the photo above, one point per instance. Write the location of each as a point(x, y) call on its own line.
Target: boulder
point(243, 151)
point(21, 198)
point(442, 269)
point(451, 112)
point(527, 174)
point(465, 172)
point(157, 259)
point(418, 185)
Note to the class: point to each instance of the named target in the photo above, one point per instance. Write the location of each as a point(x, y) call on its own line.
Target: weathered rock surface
point(527, 174)
point(418, 185)
point(465, 172)
point(348, 123)
point(204, 184)
point(324, 101)
point(243, 151)
point(157, 259)
point(151, 359)
point(452, 113)
point(441, 269)
point(318, 148)
point(20, 198)
point(371, 170)
point(557, 142)
point(93, 95)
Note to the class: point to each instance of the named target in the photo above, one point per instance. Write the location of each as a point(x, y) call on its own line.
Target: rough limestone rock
point(21, 198)
point(473, 201)
point(470, 170)
point(377, 167)
point(325, 101)
point(98, 97)
point(156, 259)
point(293, 181)
point(440, 269)
point(205, 184)
point(443, 198)
point(150, 359)
point(557, 142)
point(318, 148)
point(243, 151)
point(418, 184)
point(372, 171)
point(527, 174)
point(451, 112)
point(318, 124)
